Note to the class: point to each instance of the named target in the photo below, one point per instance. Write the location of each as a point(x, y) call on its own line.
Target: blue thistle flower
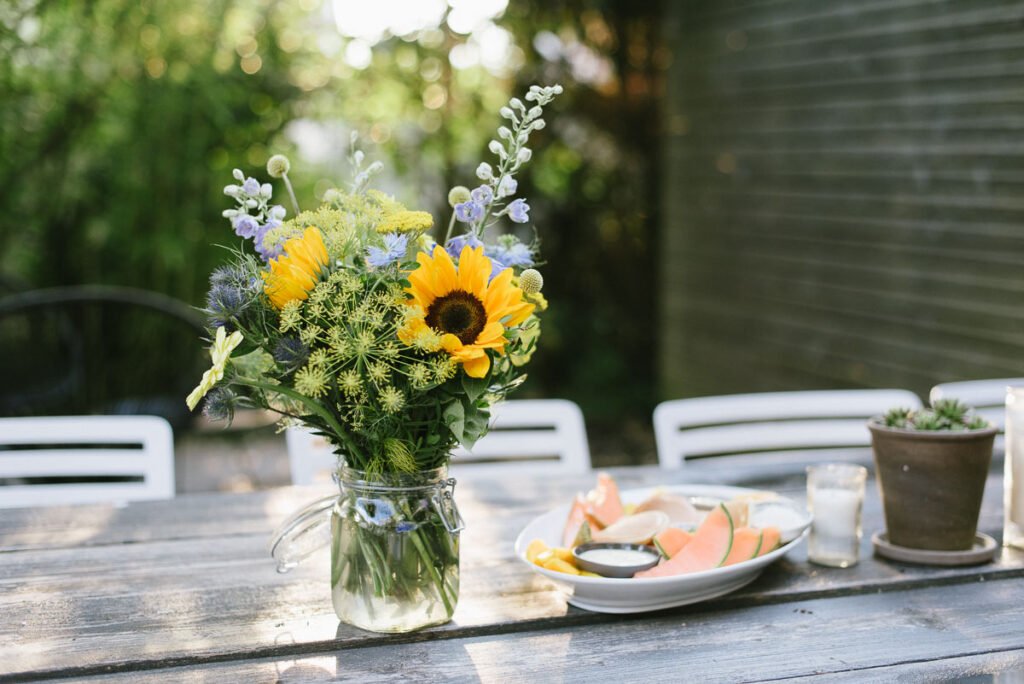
point(291, 352)
point(230, 294)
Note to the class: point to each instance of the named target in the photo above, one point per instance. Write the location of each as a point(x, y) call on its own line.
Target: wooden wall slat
point(843, 197)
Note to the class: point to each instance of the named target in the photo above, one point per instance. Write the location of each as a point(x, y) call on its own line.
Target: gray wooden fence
point(844, 194)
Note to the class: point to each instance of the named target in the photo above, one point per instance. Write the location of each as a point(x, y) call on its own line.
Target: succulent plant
point(950, 415)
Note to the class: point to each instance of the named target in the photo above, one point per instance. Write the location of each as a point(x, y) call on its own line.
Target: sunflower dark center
point(458, 313)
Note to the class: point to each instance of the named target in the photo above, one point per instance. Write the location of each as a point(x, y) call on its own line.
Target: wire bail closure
point(444, 504)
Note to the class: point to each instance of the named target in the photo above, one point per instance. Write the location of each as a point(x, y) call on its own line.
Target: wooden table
point(184, 591)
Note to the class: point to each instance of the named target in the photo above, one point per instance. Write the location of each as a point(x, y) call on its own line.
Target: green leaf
point(475, 424)
point(474, 387)
point(455, 418)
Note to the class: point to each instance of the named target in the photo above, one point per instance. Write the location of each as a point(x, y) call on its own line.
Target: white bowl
point(637, 595)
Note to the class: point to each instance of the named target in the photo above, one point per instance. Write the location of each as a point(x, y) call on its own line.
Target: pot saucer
point(984, 550)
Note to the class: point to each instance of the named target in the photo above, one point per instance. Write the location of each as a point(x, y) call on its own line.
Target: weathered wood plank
point(123, 605)
point(807, 140)
point(867, 637)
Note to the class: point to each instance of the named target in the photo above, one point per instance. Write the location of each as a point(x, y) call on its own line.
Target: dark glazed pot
point(932, 484)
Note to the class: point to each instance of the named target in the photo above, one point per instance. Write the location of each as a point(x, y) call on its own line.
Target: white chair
point(85, 459)
point(310, 456)
point(988, 397)
point(544, 435)
point(547, 435)
point(785, 424)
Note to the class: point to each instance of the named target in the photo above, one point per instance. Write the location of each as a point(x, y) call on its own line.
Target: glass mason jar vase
point(394, 548)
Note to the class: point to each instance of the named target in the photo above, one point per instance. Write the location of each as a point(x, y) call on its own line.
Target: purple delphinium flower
point(483, 195)
point(394, 249)
point(251, 187)
point(507, 186)
point(455, 245)
point(518, 211)
point(267, 252)
point(467, 212)
point(496, 268)
point(245, 226)
point(516, 254)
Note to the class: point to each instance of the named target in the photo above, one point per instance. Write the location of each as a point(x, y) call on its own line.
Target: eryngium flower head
point(220, 404)
point(291, 353)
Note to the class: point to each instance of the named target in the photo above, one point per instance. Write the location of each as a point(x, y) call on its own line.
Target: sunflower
point(459, 304)
point(293, 274)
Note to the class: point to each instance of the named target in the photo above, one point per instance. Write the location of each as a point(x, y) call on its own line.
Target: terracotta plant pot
point(932, 484)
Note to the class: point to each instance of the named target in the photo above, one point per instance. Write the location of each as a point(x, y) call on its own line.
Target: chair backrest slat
point(769, 422)
point(987, 396)
point(547, 434)
point(85, 459)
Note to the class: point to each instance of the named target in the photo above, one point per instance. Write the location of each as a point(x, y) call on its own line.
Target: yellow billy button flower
point(296, 272)
point(220, 352)
point(459, 304)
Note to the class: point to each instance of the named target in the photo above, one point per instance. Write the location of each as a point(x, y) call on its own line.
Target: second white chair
point(783, 423)
point(548, 435)
point(85, 459)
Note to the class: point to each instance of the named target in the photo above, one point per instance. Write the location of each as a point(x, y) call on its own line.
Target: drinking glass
point(1013, 475)
point(835, 497)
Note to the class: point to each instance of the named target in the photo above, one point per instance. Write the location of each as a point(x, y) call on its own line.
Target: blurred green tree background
point(122, 119)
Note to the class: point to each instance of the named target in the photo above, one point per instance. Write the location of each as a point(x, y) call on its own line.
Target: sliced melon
point(577, 516)
point(678, 508)
point(772, 535)
point(671, 541)
point(708, 549)
point(746, 544)
point(633, 529)
point(739, 509)
point(603, 501)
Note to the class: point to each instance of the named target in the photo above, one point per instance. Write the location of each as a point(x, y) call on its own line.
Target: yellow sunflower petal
point(478, 367)
point(451, 343)
point(474, 270)
point(446, 278)
point(293, 274)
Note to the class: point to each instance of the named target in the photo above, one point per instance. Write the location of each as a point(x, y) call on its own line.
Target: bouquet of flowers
point(353, 320)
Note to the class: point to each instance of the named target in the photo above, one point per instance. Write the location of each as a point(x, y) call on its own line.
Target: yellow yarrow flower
point(297, 271)
point(220, 352)
point(406, 222)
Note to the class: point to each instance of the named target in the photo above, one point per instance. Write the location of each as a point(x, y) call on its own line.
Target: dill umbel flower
point(351, 383)
point(391, 399)
point(378, 372)
point(291, 316)
point(311, 382)
point(419, 375)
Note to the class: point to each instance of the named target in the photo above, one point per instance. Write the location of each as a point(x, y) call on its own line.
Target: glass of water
point(835, 497)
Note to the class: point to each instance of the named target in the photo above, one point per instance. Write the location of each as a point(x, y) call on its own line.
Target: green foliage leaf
point(474, 387)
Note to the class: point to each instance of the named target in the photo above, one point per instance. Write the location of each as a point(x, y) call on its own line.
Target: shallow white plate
point(605, 595)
